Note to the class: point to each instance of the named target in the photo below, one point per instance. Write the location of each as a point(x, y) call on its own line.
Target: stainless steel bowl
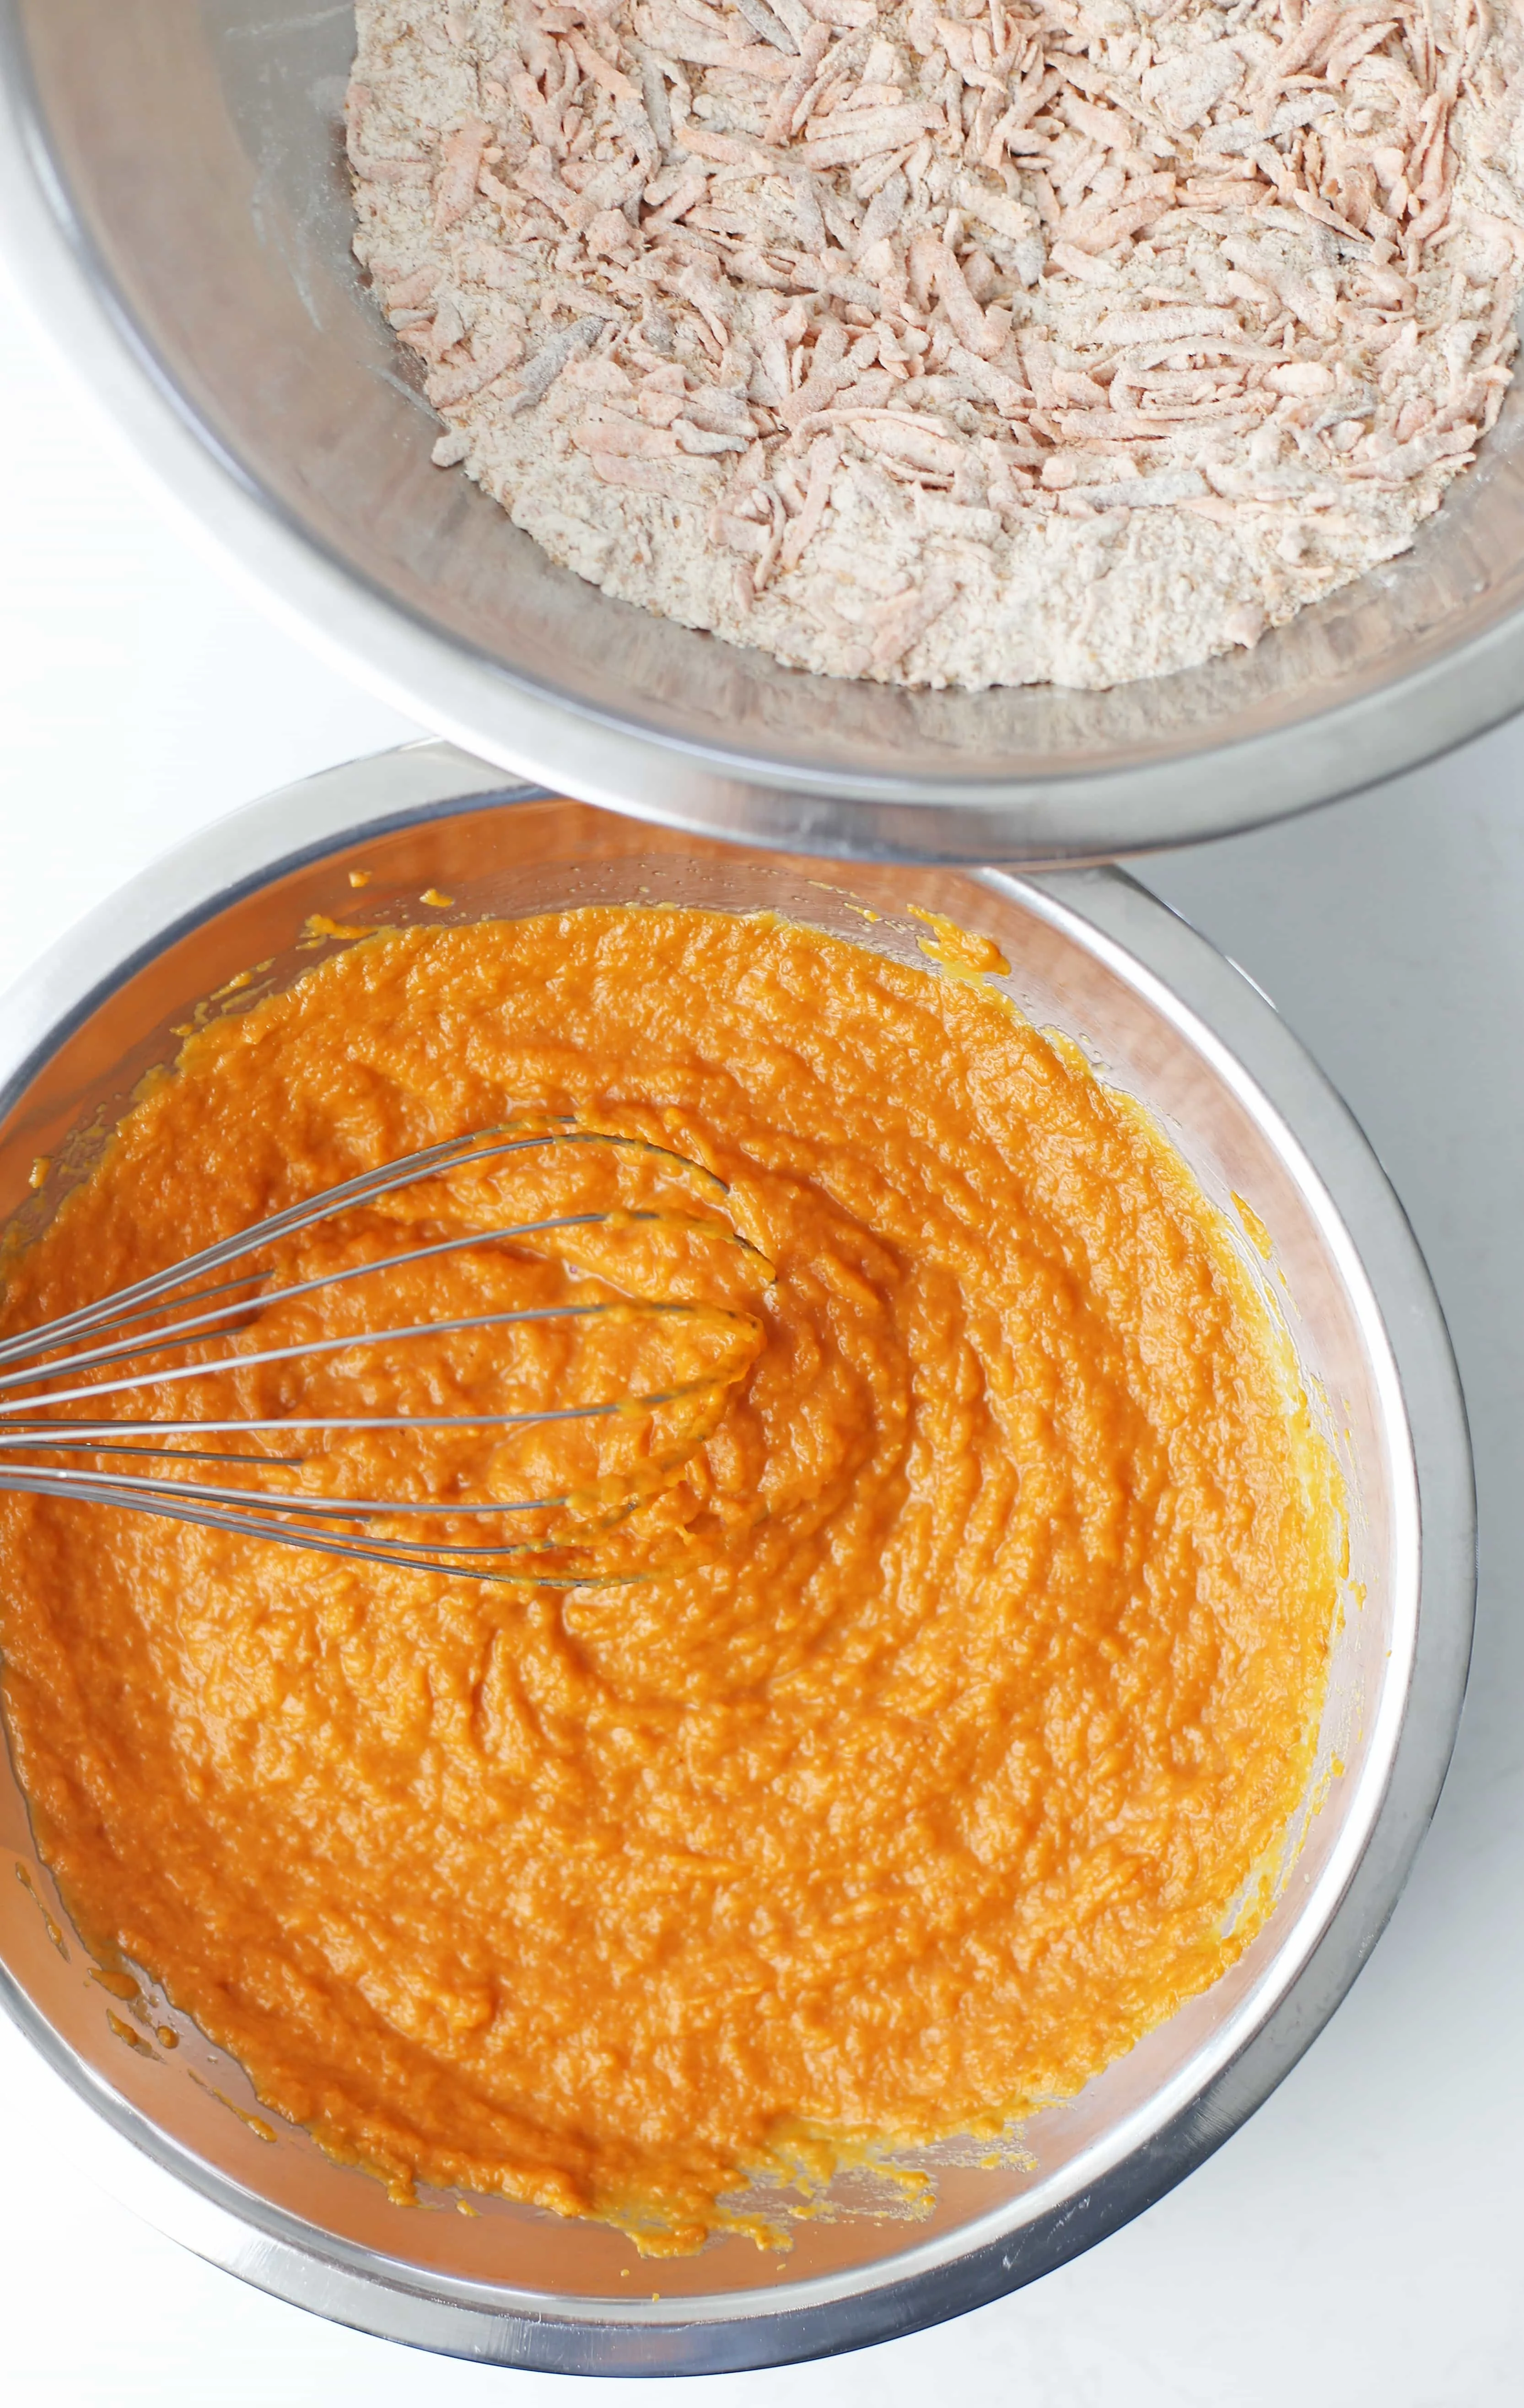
point(173, 195)
point(1162, 1016)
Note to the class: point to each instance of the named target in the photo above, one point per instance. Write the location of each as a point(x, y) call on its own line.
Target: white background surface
point(1361, 2242)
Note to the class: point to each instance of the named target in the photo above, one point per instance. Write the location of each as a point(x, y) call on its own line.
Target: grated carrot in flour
point(1009, 341)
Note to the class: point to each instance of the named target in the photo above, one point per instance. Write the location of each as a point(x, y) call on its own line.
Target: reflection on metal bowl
point(173, 193)
point(1163, 1017)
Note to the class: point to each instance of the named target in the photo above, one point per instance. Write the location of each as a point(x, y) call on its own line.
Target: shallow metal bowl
point(173, 195)
point(1161, 1016)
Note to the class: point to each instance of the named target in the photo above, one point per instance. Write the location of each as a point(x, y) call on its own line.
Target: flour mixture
point(1061, 339)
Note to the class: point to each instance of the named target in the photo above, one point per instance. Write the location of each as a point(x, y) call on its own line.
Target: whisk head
point(522, 1399)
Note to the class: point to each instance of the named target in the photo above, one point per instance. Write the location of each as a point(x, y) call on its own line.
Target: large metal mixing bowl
point(173, 195)
point(1163, 1017)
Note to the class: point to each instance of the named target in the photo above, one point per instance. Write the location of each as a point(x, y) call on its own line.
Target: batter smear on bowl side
point(958, 1738)
point(1075, 341)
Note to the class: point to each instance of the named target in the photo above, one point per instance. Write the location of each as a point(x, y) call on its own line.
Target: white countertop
point(1360, 2242)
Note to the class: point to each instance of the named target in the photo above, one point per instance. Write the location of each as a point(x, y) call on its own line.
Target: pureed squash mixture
point(946, 1751)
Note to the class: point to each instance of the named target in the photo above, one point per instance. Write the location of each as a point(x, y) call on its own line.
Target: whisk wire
point(11, 1413)
point(261, 1523)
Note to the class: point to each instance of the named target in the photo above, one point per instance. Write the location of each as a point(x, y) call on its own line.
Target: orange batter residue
point(938, 1766)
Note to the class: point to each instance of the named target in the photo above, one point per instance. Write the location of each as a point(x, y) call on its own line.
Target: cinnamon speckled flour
point(1065, 339)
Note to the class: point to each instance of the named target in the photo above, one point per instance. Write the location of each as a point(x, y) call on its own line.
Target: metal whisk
point(49, 1376)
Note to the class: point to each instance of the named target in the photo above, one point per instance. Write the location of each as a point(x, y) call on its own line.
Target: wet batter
point(943, 1753)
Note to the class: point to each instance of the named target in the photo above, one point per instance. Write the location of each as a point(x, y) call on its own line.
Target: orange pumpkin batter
point(984, 1673)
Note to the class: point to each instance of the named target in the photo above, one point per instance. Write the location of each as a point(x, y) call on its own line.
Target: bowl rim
point(1177, 2128)
point(1060, 815)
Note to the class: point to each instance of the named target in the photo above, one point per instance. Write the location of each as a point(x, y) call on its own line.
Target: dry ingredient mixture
point(959, 1751)
point(1018, 340)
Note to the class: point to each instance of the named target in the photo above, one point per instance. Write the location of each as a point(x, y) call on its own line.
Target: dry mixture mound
point(972, 345)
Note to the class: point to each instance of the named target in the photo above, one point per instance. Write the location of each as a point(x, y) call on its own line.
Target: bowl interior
point(196, 147)
point(507, 859)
